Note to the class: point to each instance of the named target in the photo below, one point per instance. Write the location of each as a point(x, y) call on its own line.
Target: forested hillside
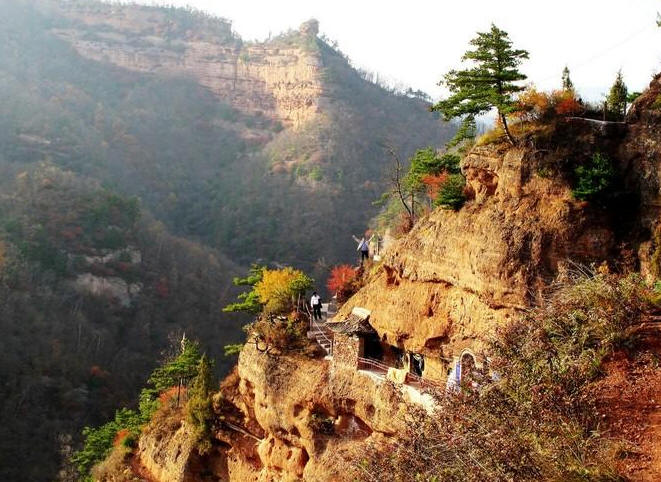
point(93, 290)
point(122, 124)
point(257, 168)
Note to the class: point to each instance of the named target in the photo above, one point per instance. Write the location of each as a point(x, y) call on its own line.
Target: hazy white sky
point(415, 41)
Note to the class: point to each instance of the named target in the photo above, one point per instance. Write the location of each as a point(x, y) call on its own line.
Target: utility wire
point(605, 51)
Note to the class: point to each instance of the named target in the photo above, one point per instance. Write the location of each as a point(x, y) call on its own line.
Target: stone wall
point(346, 350)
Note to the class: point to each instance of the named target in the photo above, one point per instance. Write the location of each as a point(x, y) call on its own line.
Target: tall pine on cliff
point(489, 84)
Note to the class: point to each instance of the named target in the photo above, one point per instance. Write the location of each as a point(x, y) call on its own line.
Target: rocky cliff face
point(446, 286)
point(278, 79)
point(641, 156)
point(280, 418)
point(458, 276)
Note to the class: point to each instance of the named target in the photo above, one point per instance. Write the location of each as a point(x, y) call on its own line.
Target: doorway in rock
point(467, 368)
point(373, 348)
point(417, 365)
point(393, 356)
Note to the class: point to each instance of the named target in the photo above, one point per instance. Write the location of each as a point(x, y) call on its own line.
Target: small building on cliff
point(357, 346)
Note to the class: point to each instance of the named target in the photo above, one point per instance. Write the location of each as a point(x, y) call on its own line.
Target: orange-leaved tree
point(433, 183)
point(566, 103)
point(343, 281)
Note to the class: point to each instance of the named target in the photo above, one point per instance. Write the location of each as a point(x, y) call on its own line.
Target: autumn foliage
point(278, 289)
point(121, 435)
point(566, 103)
point(535, 105)
point(433, 184)
point(171, 394)
point(343, 281)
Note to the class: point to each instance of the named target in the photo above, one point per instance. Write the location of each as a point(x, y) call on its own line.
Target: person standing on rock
point(315, 301)
point(363, 247)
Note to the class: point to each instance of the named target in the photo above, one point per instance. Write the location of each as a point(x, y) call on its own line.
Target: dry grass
point(539, 420)
point(116, 467)
point(519, 130)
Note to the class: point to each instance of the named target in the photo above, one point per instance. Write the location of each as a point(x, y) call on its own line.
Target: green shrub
point(249, 300)
point(199, 411)
point(182, 367)
point(426, 162)
point(316, 174)
point(451, 193)
point(232, 349)
point(594, 179)
point(99, 441)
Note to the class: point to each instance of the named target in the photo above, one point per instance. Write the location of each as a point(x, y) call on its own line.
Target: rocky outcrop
point(281, 418)
point(166, 447)
point(279, 79)
point(457, 276)
point(444, 287)
point(641, 154)
point(310, 413)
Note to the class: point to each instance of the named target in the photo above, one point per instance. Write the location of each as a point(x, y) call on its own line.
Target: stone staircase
point(320, 332)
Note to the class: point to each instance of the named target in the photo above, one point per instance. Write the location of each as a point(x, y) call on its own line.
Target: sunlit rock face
point(280, 417)
point(279, 78)
point(443, 288)
point(457, 276)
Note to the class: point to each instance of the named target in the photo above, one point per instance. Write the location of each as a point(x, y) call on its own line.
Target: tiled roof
point(354, 324)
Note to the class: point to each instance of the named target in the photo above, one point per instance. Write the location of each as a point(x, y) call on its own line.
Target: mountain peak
point(310, 27)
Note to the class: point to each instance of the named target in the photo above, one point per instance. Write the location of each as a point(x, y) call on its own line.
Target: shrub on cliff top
point(426, 162)
point(594, 178)
point(534, 105)
point(451, 193)
point(99, 440)
point(278, 289)
point(249, 300)
point(274, 291)
point(539, 420)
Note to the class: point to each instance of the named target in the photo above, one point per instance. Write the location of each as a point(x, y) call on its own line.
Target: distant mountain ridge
point(279, 79)
point(247, 146)
point(271, 152)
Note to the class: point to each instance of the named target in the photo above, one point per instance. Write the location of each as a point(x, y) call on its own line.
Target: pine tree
point(490, 83)
point(617, 97)
point(199, 410)
point(567, 84)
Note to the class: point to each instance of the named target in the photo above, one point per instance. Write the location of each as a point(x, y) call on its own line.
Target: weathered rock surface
point(457, 276)
point(284, 418)
point(279, 79)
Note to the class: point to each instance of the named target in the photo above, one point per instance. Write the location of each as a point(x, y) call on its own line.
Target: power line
point(603, 52)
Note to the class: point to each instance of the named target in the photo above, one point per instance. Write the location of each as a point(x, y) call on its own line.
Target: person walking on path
point(315, 301)
point(363, 247)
